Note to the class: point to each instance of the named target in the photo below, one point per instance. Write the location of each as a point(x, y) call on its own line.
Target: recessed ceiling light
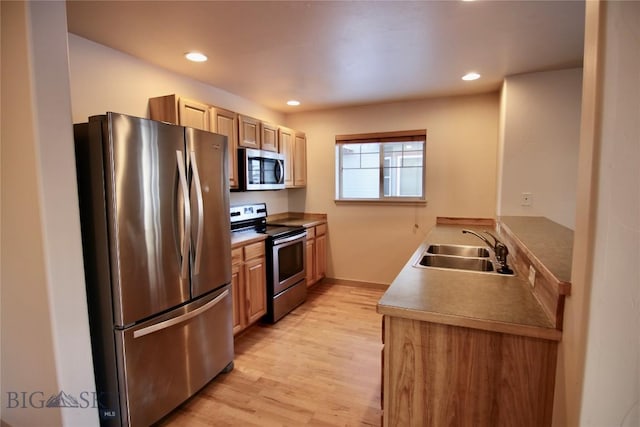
point(293, 102)
point(471, 76)
point(196, 56)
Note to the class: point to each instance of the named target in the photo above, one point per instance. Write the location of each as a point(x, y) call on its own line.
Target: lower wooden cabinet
point(436, 375)
point(256, 287)
point(248, 284)
point(310, 260)
point(321, 252)
point(316, 253)
point(237, 291)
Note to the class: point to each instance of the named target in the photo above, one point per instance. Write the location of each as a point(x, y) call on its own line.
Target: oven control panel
point(253, 216)
point(245, 212)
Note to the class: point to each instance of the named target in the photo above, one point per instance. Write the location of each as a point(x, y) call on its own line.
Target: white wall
point(372, 242)
point(104, 79)
point(45, 334)
point(611, 395)
point(540, 131)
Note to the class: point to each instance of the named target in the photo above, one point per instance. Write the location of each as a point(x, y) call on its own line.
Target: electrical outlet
point(526, 199)
point(532, 276)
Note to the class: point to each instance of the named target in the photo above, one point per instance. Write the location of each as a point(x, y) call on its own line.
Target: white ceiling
point(337, 53)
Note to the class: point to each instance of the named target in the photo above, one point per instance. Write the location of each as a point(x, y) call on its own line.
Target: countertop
point(298, 219)
point(292, 219)
point(241, 238)
point(484, 301)
point(548, 241)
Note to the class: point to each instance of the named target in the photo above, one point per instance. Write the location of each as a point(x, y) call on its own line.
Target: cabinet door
point(164, 109)
point(286, 137)
point(321, 256)
point(310, 260)
point(269, 137)
point(300, 162)
point(237, 290)
point(225, 122)
point(193, 114)
point(249, 132)
point(256, 288)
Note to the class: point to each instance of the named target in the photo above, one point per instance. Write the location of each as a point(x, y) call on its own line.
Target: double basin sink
point(457, 257)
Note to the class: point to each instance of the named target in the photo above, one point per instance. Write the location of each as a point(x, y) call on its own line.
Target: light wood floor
point(318, 366)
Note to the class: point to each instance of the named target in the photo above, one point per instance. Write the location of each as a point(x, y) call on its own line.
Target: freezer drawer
point(170, 358)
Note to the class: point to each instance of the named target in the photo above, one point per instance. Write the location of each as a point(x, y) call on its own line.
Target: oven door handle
point(279, 242)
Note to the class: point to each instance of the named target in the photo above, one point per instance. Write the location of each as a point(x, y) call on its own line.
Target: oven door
point(288, 261)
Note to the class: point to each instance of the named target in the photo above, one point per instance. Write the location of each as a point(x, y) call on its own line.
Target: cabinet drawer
point(236, 256)
point(311, 233)
point(254, 250)
point(321, 229)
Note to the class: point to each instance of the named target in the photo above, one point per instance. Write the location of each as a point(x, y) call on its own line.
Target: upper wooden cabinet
point(254, 133)
point(186, 112)
point(249, 132)
point(241, 131)
point(194, 114)
point(225, 122)
point(181, 111)
point(300, 160)
point(269, 137)
point(293, 145)
point(286, 136)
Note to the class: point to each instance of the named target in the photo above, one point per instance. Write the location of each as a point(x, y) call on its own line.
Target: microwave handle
point(278, 170)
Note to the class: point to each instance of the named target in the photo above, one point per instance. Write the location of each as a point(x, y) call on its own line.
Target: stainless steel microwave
point(260, 170)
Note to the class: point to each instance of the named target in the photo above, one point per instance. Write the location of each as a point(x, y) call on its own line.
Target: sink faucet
point(499, 249)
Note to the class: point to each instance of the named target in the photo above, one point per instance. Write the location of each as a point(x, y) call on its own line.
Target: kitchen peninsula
point(466, 347)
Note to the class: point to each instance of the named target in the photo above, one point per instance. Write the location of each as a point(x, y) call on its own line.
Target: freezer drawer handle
point(196, 179)
point(184, 265)
point(183, 318)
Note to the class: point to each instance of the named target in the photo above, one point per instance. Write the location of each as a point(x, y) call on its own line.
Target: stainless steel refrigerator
point(154, 205)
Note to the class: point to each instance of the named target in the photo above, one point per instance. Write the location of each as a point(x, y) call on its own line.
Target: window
point(385, 167)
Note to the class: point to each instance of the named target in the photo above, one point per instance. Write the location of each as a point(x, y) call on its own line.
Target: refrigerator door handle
point(180, 319)
point(184, 264)
point(196, 179)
